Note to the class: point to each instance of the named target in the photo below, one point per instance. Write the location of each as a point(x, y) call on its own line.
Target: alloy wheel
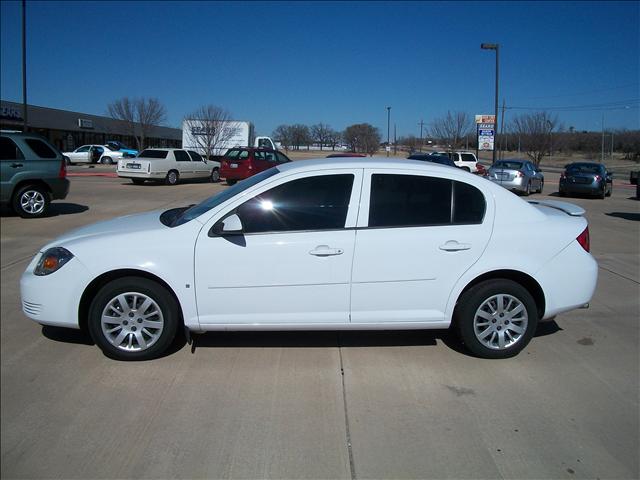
point(500, 321)
point(32, 202)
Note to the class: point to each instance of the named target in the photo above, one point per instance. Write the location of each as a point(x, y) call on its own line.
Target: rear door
point(417, 235)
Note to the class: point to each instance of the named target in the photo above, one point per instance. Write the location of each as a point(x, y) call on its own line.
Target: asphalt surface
point(322, 405)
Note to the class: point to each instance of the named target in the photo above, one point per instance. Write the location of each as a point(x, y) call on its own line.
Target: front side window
point(9, 150)
point(259, 156)
point(282, 158)
point(83, 149)
point(195, 156)
point(40, 148)
point(181, 156)
point(312, 203)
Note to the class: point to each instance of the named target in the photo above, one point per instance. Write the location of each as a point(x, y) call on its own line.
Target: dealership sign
point(486, 131)
point(10, 113)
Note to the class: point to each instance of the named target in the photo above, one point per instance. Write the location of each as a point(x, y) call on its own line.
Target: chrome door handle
point(453, 246)
point(325, 251)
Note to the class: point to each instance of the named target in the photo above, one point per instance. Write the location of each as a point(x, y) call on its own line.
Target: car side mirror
point(231, 225)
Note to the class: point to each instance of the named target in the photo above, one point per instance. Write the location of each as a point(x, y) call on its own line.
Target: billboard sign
point(485, 125)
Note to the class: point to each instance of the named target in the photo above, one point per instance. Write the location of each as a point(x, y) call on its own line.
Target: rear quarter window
point(469, 204)
point(153, 154)
point(40, 148)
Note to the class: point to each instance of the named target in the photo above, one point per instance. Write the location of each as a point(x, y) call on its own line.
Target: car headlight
point(52, 260)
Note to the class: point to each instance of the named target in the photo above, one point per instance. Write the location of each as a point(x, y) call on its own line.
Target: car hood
point(121, 226)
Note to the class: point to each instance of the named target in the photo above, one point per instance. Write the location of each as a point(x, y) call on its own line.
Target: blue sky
point(334, 62)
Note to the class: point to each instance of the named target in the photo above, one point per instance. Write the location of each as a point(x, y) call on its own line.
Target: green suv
point(32, 173)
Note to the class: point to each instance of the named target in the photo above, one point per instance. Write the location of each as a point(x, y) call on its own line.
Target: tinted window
point(509, 165)
point(409, 200)
point(584, 168)
point(153, 154)
point(468, 157)
point(282, 158)
point(313, 203)
point(195, 156)
point(9, 150)
point(468, 205)
point(40, 148)
point(237, 154)
point(181, 156)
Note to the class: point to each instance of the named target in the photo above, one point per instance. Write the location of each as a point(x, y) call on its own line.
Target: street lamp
point(496, 47)
point(388, 129)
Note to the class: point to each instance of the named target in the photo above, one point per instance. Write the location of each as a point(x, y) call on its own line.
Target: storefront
point(69, 130)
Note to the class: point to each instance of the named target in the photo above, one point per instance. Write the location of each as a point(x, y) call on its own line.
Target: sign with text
point(486, 131)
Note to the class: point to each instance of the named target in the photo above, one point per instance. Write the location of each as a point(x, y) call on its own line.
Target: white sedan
point(93, 154)
point(322, 244)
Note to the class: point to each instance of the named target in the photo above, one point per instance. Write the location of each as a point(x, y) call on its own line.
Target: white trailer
point(240, 134)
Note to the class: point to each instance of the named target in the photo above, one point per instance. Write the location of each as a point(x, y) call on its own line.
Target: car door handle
point(325, 251)
point(16, 165)
point(453, 246)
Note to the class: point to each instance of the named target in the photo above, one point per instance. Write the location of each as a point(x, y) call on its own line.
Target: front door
point(417, 235)
point(292, 262)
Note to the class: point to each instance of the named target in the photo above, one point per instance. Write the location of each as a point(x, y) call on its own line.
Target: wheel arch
point(100, 281)
point(527, 281)
point(25, 182)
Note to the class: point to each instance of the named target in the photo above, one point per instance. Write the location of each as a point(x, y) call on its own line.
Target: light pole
point(602, 155)
point(496, 47)
point(24, 66)
point(388, 129)
point(421, 127)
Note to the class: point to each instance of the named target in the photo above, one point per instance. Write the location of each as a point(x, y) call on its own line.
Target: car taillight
point(563, 175)
point(519, 174)
point(583, 239)
point(598, 177)
point(63, 169)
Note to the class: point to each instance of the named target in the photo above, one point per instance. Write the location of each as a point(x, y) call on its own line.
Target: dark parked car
point(242, 162)
point(345, 155)
point(586, 178)
point(32, 173)
point(440, 159)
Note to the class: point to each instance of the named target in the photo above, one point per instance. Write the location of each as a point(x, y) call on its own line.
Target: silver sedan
point(520, 176)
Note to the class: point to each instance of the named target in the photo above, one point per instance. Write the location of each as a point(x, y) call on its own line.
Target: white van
point(168, 165)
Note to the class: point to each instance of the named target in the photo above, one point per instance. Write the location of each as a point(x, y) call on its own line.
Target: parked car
point(520, 176)
point(633, 180)
point(346, 155)
point(32, 173)
point(586, 178)
point(425, 157)
point(465, 160)
point(240, 163)
point(344, 244)
point(93, 154)
point(121, 147)
point(168, 165)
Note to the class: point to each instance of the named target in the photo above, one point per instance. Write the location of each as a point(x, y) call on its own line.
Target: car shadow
point(67, 335)
point(634, 217)
point(161, 183)
point(55, 209)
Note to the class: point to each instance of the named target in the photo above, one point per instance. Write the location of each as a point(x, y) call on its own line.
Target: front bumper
point(54, 299)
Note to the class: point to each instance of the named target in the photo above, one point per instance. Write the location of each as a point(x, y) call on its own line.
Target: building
point(69, 130)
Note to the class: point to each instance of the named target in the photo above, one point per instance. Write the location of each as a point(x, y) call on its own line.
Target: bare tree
point(334, 138)
point(140, 116)
point(534, 130)
point(284, 135)
point(452, 129)
point(210, 127)
point(320, 133)
point(363, 137)
point(300, 135)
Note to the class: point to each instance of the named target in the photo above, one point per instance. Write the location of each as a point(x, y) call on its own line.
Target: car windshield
point(214, 201)
point(509, 165)
point(583, 168)
point(153, 154)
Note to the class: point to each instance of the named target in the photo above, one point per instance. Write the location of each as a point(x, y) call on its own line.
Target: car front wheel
point(133, 318)
point(496, 318)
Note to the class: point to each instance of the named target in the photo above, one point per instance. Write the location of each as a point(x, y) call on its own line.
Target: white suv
point(465, 160)
point(168, 165)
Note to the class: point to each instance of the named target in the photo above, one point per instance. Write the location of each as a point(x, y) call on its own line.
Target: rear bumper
point(233, 174)
point(517, 184)
point(584, 188)
point(143, 175)
point(59, 188)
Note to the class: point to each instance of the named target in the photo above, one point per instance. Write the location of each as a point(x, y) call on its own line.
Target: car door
point(80, 154)
point(12, 163)
point(292, 263)
point(199, 166)
point(417, 235)
point(184, 165)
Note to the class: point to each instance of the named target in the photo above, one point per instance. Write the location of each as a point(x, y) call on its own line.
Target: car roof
point(359, 162)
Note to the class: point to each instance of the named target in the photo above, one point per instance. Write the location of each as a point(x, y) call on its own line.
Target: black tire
point(541, 186)
point(527, 192)
point(603, 193)
point(231, 182)
point(610, 190)
point(172, 178)
point(31, 201)
point(160, 295)
point(106, 161)
point(469, 304)
point(215, 175)
point(137, 181)
point(562, 193)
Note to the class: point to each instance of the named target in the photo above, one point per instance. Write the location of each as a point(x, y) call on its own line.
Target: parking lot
point(322, 404)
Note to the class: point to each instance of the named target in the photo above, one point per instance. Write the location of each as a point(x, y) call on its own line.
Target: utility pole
point(421, 124)
point(602, 155)
point(24, 66)
point(611, 145)
point(388, 127)
point(395, 140)
point(502, 129)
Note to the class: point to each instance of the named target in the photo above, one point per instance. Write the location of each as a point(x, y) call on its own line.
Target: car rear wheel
point(172, 178)
point(133, 318)
point(496, 318)
point(31, 201)
point(231, 182)
point(137, 181)
point(215, 175)
point(541, 186)
point(106, 161)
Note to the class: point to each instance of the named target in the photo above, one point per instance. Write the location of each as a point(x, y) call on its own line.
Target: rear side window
point(181, 156)
point(40, 148)
point(409, 200)
point(9, 150)
point(237, 154)
point(153, 154)
point(467, 157)
point(469, 204)
point(312, 203)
